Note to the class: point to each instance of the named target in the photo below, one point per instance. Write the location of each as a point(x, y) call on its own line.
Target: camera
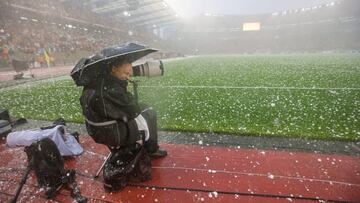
point(148, 69)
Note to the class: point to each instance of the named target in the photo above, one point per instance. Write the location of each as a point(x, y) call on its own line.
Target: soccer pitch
point(314, 96)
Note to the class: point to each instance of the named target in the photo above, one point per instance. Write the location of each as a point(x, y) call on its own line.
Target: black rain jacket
point(109, 110)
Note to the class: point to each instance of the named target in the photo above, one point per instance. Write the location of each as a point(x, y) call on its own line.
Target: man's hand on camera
point(140, 142)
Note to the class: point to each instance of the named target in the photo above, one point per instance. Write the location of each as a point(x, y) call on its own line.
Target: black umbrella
point(91, 68)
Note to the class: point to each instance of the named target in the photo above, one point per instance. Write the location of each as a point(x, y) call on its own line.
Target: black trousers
point(151, 144)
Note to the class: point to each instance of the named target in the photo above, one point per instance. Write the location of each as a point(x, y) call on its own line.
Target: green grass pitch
point(314, 96)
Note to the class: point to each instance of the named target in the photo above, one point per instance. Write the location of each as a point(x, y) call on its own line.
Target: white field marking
point(200, 87)
point(260, 174)
point(235, 87)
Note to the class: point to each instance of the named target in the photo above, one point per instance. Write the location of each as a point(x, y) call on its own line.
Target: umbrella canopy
point(94, 67)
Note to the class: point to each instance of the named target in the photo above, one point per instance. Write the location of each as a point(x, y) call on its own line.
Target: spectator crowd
point(31, 30)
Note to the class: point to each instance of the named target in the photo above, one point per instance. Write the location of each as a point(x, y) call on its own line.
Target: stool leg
point(102, 166)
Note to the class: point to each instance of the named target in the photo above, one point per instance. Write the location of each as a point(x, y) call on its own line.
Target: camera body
point(148, 69)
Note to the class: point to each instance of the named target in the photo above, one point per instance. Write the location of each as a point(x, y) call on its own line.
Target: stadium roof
point(136, 13)
point(191, 8)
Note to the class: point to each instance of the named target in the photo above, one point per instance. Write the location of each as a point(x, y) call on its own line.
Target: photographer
point(113, 115)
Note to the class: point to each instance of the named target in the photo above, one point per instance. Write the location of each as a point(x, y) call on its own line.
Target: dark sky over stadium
point(190, 8)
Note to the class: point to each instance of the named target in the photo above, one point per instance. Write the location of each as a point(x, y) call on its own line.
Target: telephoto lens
point(148, 69)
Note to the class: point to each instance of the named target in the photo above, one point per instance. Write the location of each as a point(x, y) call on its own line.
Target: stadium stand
point(330, 27)
point(62, 31)
point(30, 28)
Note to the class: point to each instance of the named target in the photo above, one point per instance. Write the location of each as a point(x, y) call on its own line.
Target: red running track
point(203, 174)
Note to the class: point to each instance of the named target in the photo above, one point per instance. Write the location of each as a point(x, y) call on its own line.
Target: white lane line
point(220, 87)
point(272, 176)
point(260, 87)
point(260, 174)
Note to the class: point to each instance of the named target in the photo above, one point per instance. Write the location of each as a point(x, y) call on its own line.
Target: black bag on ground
point(7, 124)
point(4, 115)
point(44, 157)
point(5, 128)
point(127, 166)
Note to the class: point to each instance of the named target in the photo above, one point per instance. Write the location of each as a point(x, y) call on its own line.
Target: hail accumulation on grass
point(312, 96)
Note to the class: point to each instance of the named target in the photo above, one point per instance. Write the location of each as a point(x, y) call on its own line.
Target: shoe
point(158, 154)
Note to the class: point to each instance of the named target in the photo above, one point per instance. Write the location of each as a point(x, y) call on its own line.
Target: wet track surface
point(193, 173)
